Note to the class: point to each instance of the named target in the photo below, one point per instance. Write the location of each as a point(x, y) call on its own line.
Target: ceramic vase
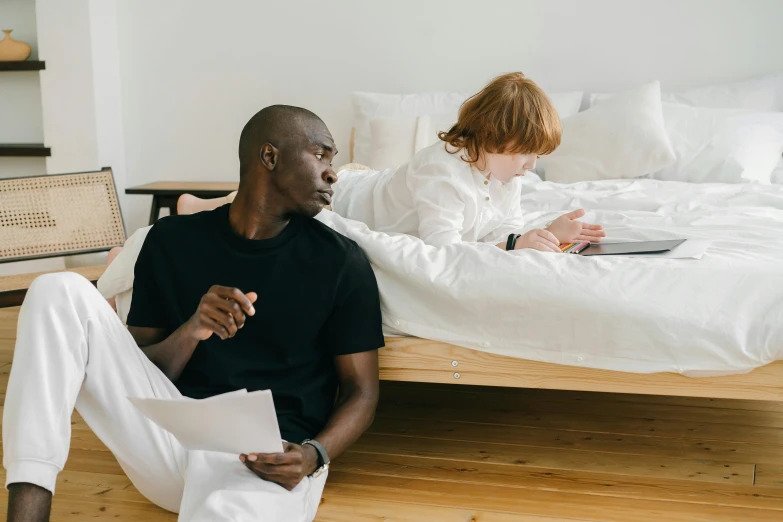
point(13, 50)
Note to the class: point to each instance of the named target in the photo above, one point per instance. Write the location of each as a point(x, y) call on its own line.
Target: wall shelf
point(31, 65)
point(24, 150)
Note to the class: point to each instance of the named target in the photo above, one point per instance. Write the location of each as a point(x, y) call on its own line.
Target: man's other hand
point(222, 311)
point(287, 468)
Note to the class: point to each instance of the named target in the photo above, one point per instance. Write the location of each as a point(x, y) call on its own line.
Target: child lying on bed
point(466, 187)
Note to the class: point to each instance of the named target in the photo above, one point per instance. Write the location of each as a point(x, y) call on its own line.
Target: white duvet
point(720, 314)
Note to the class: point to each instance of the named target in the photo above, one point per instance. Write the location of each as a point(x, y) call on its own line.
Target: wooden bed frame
point(419, 360)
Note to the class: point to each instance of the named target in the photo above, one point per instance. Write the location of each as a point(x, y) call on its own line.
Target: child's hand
point(567, 229)
point(538, 239)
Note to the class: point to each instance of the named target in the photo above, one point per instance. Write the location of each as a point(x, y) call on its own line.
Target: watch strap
point(322, 455)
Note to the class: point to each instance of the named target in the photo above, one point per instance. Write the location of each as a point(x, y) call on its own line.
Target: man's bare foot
point(28, 503)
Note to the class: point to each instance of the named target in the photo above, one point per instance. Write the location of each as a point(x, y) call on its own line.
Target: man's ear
point(269, 156)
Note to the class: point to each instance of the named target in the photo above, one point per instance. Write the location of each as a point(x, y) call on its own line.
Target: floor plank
point(543, 503)
point(77, 509)
point(574, 460)
point(109, 487)
point(581, 440)
point(351, 509)
point(769, 475)
point(8, 318)
point(555, 479)
point(693, 429)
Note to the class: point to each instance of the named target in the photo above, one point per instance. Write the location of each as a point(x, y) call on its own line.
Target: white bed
point(721, 314)
point(718, 315)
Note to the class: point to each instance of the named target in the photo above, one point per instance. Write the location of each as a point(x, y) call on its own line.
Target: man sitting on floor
point(255, 295)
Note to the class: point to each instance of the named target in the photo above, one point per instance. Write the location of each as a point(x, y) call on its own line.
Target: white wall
point(20, 114)
point(66, 85)
point(78, 98)
point(20, 93)
point(80, 91)
point(194, 71)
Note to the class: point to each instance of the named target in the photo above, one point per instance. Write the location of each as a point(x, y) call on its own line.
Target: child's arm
point(537, 239)
point(513, 224)
point(439, 205)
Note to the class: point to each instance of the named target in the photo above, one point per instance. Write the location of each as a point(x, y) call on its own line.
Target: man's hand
point(567, 229)
point(287, 468)
point(222, 311)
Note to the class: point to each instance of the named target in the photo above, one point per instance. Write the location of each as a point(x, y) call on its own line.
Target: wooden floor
point(451, 453)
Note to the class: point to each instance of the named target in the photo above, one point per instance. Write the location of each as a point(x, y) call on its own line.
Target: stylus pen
point(578, 248)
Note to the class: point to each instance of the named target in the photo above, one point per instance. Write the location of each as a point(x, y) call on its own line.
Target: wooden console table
point(166, 193)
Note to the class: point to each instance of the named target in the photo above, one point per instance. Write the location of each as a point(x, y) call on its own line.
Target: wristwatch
point(512, 241)
point(323, 457)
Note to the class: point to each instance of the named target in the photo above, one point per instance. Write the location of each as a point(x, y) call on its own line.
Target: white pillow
point(392, 141)
point(368, 106)
point(428, 127)
point(761, 94)
point(441, 106)
point(117, 280)
point(721, 145)
point(566, 103)
point(623, 137)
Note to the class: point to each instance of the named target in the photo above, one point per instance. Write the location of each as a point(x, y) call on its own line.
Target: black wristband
point(512, 241)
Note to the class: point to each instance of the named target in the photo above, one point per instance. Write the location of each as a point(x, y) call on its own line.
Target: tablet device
point(638, 247)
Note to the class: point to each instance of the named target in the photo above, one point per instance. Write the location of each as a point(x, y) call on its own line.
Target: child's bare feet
point(190, 204)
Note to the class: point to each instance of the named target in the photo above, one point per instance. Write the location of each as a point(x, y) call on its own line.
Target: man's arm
point(171, 353)
point(222, 311)
point(353, 414)
point(356, 403)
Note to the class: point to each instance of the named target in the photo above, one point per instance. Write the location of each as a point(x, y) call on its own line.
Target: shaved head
point(285, 161)
point(279, 125)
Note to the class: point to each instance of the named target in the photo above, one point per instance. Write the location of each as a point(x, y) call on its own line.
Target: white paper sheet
point(235, 422)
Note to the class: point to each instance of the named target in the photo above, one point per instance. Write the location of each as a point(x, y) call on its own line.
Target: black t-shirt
point(317, 298)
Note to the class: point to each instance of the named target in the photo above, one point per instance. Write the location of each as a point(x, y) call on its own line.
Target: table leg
point(170, 202)
point(155, 210)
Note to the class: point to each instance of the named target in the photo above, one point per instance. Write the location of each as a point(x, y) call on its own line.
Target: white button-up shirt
point(436, 196)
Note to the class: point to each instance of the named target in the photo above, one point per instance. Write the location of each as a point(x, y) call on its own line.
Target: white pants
point(72, 350)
